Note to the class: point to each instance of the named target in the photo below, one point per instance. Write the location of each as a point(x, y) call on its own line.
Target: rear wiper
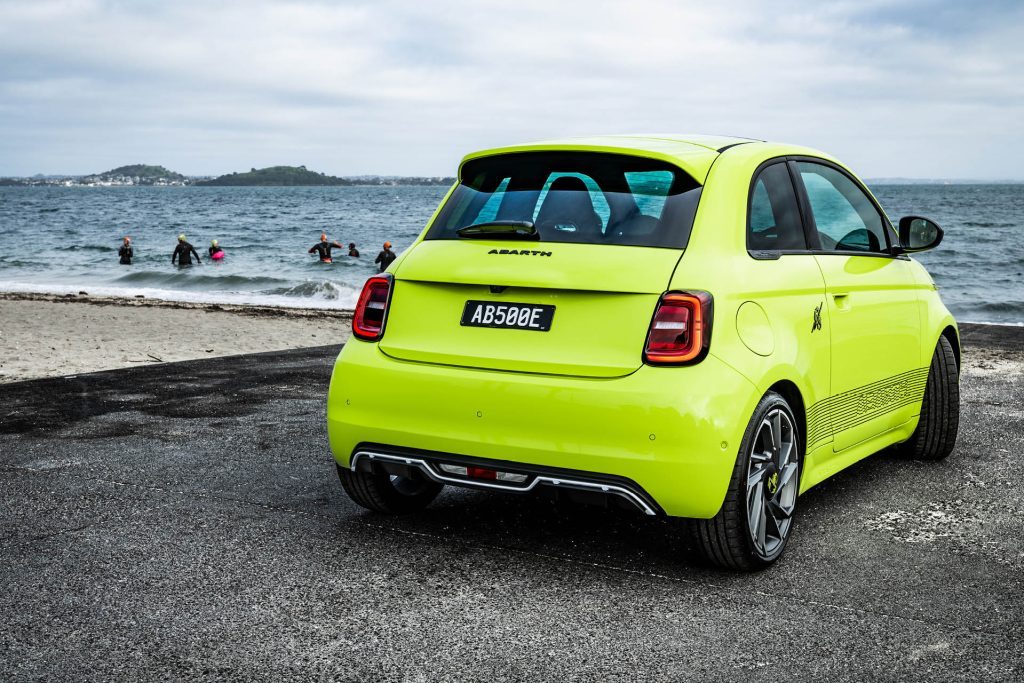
point(501, 230)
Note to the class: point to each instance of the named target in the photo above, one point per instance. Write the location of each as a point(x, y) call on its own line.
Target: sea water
point(65, 239)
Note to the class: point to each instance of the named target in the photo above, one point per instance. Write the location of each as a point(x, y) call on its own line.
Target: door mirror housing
point(918, 234)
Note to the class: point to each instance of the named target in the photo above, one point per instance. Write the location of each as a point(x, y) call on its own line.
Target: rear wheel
point(936, 431)
point(754, 524)
point(388, 493)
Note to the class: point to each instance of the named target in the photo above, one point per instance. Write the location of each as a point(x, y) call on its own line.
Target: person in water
point(386, 257)
point(183, 252)
point(126, 252)
point(352, 251)
point(323, 248)
point(214, 250)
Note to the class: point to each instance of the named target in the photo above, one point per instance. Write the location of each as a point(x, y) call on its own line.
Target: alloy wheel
point(772, 483)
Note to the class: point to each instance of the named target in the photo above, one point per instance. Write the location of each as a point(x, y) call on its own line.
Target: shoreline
point(140, 301)
point(48, 335)
point(304, 310)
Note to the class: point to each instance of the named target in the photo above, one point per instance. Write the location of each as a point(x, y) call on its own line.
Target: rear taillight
point(680, 330)
point(372, 309)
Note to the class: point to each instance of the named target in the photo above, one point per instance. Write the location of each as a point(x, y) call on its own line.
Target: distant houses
point(273, 176)
point(291, 176)
point(122, 176)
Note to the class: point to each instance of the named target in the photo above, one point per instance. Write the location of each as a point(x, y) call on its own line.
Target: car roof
point(694, 153)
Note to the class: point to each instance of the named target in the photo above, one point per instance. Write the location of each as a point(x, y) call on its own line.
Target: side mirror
point(918, 234)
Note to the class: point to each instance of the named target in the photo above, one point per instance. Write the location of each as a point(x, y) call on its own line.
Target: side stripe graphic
point(857, 406)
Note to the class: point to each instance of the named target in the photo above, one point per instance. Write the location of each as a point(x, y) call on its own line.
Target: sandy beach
point(43, 335)
point(49, 335)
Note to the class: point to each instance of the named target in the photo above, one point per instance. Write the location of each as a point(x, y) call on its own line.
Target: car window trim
point(807, 215)
point(681, 174)
point(887, 228)
point(804, 203)
point(773, 254)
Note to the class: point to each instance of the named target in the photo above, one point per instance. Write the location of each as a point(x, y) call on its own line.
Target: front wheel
point(752, 528)
point(939, 423)
point(388, 493)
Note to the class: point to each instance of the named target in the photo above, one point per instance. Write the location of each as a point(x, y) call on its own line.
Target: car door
point(785, 282)
point(874, 324)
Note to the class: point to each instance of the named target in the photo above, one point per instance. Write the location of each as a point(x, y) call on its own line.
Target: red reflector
point(680, 330)
point(372, 308)
point(481, 473)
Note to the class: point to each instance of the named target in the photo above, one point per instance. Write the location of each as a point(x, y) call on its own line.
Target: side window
point(845, 217)
point(773, 220)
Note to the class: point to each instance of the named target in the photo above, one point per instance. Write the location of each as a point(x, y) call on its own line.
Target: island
point(283, 176)
point(138, 174)
point(122, 176)
point(273, 176)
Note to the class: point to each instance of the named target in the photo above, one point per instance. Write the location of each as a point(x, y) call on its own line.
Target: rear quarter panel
point(787, 290)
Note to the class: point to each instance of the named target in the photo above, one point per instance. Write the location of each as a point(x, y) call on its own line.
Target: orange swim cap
point(387, 245)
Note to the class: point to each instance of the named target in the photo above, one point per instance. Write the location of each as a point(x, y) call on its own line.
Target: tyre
point(936, 431)
point(755, 522)
point(389, 494)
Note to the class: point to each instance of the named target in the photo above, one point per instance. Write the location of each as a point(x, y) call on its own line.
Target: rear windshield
point(581, 197)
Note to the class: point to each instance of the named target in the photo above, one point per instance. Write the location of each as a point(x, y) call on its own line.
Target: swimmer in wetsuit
point(323, 248)
point(386, 257)
point(126, 252)
point(183, 252)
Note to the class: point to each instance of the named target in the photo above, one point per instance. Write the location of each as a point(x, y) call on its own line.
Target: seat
point(567, 213)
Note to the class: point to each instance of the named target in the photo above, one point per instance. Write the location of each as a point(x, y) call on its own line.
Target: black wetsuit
point(183, 254)
point(385, 259)
point(214, 250)
point(352, 251)
point(324, 249)
point(126, 253)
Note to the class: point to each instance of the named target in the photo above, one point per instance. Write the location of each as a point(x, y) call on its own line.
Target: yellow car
point(693, 326)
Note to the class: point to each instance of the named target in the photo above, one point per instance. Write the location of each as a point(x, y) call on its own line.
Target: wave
point(340, 300)
point(18, 263)
point(999, 324)
point(1000, 307)
point(189, 279)
point(107, 248)
point(986, 224)
point(318, 289)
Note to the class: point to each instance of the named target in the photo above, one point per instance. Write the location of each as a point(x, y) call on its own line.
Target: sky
point(907, 88)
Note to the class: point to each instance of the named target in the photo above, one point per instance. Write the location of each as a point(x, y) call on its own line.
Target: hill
point(142, 172)
point(273, 176)
point(300, 175)
point(277, 176)
point(135, 174)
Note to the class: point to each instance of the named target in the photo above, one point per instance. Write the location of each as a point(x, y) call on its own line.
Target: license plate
point(508, 315)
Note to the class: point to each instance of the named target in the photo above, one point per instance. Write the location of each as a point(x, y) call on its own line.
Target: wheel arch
point(791, 392)
point(952, 335)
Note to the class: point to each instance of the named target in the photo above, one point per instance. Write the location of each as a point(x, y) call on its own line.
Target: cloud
point(913, 88)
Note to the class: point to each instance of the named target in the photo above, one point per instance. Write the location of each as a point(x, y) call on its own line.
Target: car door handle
point(842, 300)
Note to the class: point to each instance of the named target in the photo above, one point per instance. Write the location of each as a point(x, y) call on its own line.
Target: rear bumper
point(572, 484)
point(673, 432)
